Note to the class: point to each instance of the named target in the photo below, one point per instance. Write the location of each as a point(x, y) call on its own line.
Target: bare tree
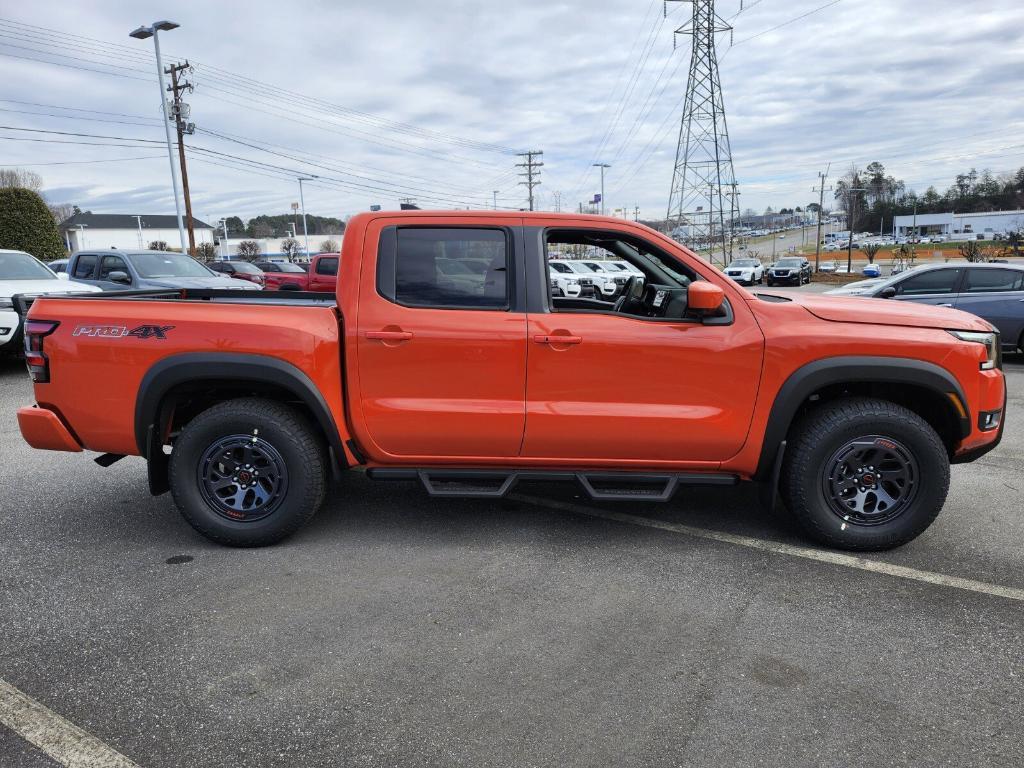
point(19, 177)
point(249, 250)
point(971, 251)
point(61, 211)
point(206, 252)
point(871, 250)
point(329, 246)
point(290, 248)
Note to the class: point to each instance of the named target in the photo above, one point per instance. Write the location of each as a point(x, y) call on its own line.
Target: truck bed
point(22, 302)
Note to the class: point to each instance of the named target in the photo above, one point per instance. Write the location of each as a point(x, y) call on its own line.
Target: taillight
point(36, 360)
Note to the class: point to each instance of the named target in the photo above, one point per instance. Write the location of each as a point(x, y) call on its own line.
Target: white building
point(988, 225)
point(127, 231)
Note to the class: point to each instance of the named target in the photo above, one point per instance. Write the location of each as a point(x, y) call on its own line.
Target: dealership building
point(988, 224)
point(127, 231)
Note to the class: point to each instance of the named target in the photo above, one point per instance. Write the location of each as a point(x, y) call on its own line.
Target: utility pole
point(144, 33)
point(181, 111)
point(558, 201)
point(531, 165)
point(495, 194)
point(302, 202)
point(602, 166)
point(851, 210)
point(636, 212)
point(138, 220)
point(821, 204)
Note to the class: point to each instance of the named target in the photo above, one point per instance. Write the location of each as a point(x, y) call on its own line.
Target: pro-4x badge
point(120, 331)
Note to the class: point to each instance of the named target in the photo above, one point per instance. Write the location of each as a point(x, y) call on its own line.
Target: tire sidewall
point(188, 452)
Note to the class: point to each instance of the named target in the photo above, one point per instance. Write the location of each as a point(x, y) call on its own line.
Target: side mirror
point(63, 276)
point(117, 276)
point(887, 293)
point(705, 297)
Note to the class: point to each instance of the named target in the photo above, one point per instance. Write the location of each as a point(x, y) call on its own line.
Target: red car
point(284, 276)
point(240, 270)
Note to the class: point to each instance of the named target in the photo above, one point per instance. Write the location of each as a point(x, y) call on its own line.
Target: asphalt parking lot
point(400, 631)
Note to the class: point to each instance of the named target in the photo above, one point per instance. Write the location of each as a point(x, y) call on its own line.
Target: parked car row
point(591, 278)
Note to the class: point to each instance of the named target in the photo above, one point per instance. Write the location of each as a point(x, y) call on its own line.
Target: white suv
point(21, 273)
point(592, 284)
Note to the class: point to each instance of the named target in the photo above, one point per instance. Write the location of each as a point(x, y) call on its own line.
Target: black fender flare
point(808, 379)
point(171, 371)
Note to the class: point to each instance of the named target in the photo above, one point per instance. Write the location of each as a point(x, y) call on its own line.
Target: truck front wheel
point(864, 474)
point(248, 472)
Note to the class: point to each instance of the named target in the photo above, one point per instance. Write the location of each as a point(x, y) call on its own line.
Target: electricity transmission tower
point(703, 199)
point(532, 172)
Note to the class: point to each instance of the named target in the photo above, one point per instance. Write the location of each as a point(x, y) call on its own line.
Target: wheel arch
point(925, 388)
point(220, 376)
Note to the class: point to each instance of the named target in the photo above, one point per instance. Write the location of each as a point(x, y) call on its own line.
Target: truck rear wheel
point(864, 474)
point(248, 472)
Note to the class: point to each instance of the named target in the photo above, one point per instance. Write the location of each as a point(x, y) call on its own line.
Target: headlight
point(572, 280)
point(6, 303)
point(993, 357)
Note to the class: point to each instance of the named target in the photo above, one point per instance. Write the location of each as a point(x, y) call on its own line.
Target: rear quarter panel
point(95, 380)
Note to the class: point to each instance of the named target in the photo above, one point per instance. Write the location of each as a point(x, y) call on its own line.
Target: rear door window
point(993, 280)
point(85, 266)
point(445, 268)
point(930, 282)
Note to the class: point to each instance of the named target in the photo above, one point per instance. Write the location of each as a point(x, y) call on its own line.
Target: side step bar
point(600, 486)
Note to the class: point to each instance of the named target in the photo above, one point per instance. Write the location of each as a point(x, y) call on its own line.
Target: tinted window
point(990, 280)
point(327, 266)
point(85, 267)
point(267, 266)
point(110, 264)
point(425, 276)
point(558, 267)
point(219, 266)
point(241, 266)
point(932, 281)
point(287, 267)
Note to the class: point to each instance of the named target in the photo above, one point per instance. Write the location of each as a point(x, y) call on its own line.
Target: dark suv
point(792, 269)
point(242, 270)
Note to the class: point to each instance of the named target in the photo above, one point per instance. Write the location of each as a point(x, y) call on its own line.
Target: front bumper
point(45, 430)
point(992, 398)
point(10, 331)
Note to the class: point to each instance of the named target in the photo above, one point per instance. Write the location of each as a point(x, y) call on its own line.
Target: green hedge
point(27, 225)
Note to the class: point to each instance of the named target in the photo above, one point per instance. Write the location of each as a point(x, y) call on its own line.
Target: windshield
point(246, 267)
point(592, 267)
point(789, 262)
point(21, 266)
point(157, 265)
point(559, 267)
point(288, 267)
point(744, 263)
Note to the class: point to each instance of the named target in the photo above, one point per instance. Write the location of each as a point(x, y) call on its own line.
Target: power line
point(82, 162)
point(787, 23)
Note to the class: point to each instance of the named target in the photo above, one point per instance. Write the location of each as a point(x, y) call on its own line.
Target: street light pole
point(495, 193)
point(602, 166)
point(851, 210)
point(143, 33)
point(302, 202)
point(224, 226)
point(138, 220)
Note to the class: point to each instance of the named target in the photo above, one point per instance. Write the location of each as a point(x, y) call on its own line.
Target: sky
point(432, 101)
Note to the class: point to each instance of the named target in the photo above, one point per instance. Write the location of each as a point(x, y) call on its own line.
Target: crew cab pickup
point(471, 381)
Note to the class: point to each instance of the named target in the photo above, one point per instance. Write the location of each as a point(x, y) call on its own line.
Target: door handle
point(389, 335)
point(554, 338)
point(945, 305)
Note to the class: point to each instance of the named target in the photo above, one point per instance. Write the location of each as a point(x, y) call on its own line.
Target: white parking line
point(823, 556)
point(62, 740)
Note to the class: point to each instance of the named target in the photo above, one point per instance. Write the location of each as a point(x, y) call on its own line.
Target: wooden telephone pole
point(181, 112)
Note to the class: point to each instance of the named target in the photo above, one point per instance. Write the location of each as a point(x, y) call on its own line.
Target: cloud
point(927, 93)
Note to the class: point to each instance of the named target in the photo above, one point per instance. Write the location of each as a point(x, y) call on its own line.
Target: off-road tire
point(812, 445)
point(283, 430)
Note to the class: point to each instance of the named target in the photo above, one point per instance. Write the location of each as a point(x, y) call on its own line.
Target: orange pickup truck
point(444, 359)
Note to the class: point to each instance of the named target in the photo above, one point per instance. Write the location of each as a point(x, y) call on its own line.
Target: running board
point(600, 486)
